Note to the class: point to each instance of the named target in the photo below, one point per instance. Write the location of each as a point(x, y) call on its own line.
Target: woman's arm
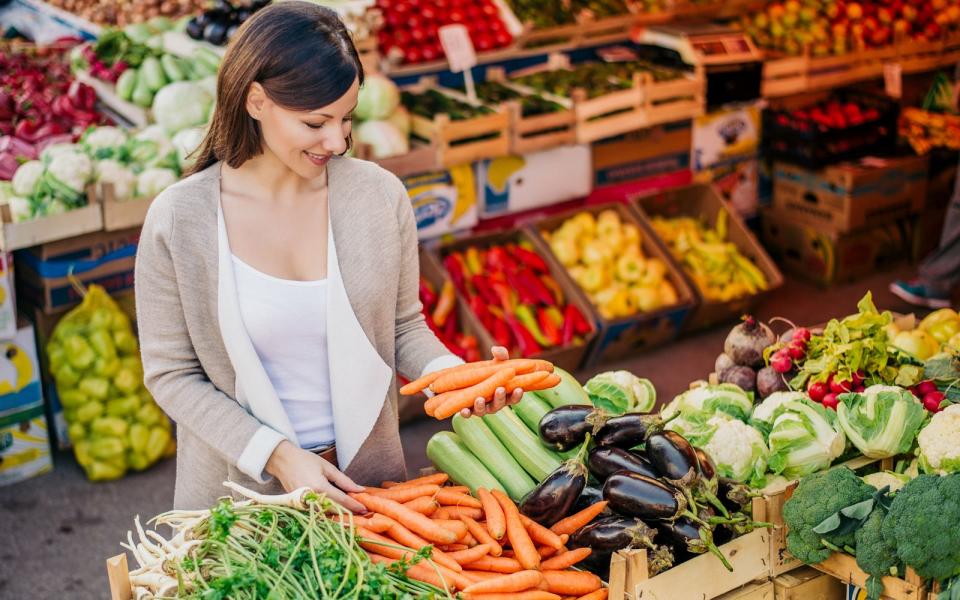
point(172, 371)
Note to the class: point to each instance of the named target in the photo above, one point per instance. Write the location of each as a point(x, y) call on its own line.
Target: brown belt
point(328, 454)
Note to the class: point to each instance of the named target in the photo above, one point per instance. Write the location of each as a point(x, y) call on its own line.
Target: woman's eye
point(314, 125)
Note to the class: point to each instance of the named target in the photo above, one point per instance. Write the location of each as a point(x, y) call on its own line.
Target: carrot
point(456, 526)
point(406, 494)
point(540, 534)
point(481, 575)
point(497, 564)
point(425, 505)
point(517, 534)
point(469, 540)
point(465, 557)
point(418, 385)
point(546, 551)
point(454, 512)
point(515, 582)
point(600, 594)
point(453, 547)
point(527, 595)
point(459, 380)
point(578, 520)
point(566, 559)
point(431, 405)
point(413, 520)
point(496, 524)
point(420, 571)
point(436, 478)
point(573, 583)
point(374, 523)
point(458, 400)
point(482, 535)
point(542, 365)
point(458, 488)
point(446, 497)
point(525, 382)
point(405, 537)
point(551, 380)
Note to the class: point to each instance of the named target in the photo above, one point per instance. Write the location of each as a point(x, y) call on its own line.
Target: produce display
point(409, 33)
point(828, 27)
point(53, 184)
point(494, 92)
point(590, 77)
point(717, 267)
point(554, 13)
point(510, 290)
point(216, 25)
point(383, 124)
point(428, 103)
point(114, 424)
point(440, 312)
point(121, 13)
point(936, 122)
point(605, 256)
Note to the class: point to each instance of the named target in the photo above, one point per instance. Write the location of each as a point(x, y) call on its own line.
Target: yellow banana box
point(24, 450)
point(20, 390)
point(443, 201)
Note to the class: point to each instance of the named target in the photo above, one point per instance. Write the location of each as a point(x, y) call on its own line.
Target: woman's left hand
point(500, 399)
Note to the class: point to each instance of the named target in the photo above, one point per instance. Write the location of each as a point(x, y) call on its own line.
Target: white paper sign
point(458, 47)
point(893, 79)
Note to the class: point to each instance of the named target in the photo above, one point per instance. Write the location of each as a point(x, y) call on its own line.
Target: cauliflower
point(104, 142)
point(882, 479)
point(122, 178)
point(938, 441)
point(27, 178)
point(623, 391)
point(153, 181)
point(54, 150)
point(712, 399)
point(766, 411)
point(737, 449)
point(68, 174)
point(21, 209)
point(152, 147)
point(186, 142)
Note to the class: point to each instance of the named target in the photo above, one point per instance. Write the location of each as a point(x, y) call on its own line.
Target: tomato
point(394, 20)
point(402, 38)
point(456, 15)
point(418, 35)
point(415, 21)
point(384, 39)
point(491, 11)
point(502, 38)
point(474, 13)
point(428, 13)
point(401, 8)
point(432, 31)
point(431, 52)
point(412, 55)
point(496, 25)
point(483, 42)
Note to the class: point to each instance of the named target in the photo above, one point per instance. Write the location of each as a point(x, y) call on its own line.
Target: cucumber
point(206, 61)
point(171, 67)
point(485, 446)
point(152, 73)
point(127, 83)
point(448, 453)
point(531, 409)
point(523, 445)
point(142, 96)
point(569, 391)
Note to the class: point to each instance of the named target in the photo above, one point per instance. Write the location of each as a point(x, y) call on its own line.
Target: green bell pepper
point(101, 318)
point(149, 414)
point(157, 443)
point(66, 377)
point(79, 353)
point(126, 342)
point(102, 471)
point(102, 343)
point(109, 427)
point(106, 367)
point(76, 432)
point(73, 398)
point(81, 450)
point(106, 447)
point(95, 387)
point(89, 411)
point(126, 381)
point(138, 436)
point(121, 407)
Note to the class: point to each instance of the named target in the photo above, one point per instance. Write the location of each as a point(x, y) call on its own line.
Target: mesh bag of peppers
point(112, 420)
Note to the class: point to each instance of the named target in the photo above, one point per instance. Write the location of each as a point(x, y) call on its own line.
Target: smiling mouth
point(317, 159)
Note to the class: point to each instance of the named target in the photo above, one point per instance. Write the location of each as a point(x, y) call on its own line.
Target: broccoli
point(875, 555)
point(922, 524)
point(819, 496)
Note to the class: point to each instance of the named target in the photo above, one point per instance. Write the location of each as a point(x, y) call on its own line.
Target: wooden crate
point(422, 158)
point(15, 236)
point(456, 141)
point(758, 590)
point(844, 567)
point(700, 578)
point(538, 132)
point(807, 583)
point(136, 115)
point(587, 33)
point(119, 215)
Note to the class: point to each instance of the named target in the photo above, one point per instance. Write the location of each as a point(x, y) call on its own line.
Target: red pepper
point(554, 288)
point(428, 296)
point(525, 342)
point(555, 315)
point(26, 130)
point(479, 308)
point(530, 259)
point(567, 333)
point(48, 129)
point(580, 325)
point(548, 327)
point(501, 333)
point(451, 327)
point(540, 291)
point(445, 304)
point(497, 259)
point(454, 266)
point(506, 296)
point(518, 282)
point(484, 287)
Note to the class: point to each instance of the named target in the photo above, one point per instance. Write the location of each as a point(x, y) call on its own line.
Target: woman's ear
point(256, 99)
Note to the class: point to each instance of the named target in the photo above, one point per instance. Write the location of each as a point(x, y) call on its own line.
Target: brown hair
point(300, 53)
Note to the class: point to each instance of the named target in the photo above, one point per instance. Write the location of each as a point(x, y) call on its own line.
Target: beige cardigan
point(202, 369)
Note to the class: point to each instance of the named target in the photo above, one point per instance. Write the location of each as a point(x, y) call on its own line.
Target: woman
point(277, 285)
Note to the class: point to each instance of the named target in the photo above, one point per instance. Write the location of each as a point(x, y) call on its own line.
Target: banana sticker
point(24, 450)
point(22, 366)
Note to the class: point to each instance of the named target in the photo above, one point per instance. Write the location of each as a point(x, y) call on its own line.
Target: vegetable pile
point(741, 362)
point(440, 312)
point(216, 25)
point(605, 256)
point(120, 13)
point(510, 290)
point(384, 125)
point(112, 420)
point(432, 102)
point(54, 184)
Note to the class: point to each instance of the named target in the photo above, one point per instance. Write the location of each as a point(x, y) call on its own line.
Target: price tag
point(458, 47)
point(893, 79)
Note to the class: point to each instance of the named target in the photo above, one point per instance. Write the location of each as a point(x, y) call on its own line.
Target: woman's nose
point(334, 142)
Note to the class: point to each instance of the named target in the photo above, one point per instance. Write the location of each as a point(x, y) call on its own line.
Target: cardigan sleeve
point(418, 351)
point(172, 371)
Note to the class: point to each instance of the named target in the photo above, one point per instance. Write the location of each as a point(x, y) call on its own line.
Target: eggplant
point(588, 497)
point(555, 496)
point(604, 462)
point(705, 465)
point(566, 427)
point(685, 535)
point(673, 458)
point(628, 430)
point(215, 32)
point(643, 497)
point(194, 28)
point(611, 534)
point(242, 15)
point(734, 495)
point(708, 482)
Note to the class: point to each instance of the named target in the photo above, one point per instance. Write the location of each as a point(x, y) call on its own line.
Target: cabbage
point(383, 139)
point(882, 421)
point(400, 119)
point(152, 148)
point(377, 99)
point(186, 142)
point(67, 176)
point(153, 181)
point(26, 178)
point(803, 439)
point(21, 209)
point(712, 399)
point(764, 413)
point(737, 449)
point(122, 178)
point(54, 150)
point(181, 105)
point(696, 427)
point(621, 391)
point(104, 142)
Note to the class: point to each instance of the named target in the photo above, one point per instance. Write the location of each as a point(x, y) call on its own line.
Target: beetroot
point(722, 363)
point(745, 377)
point(769, 381)
point(745, 343)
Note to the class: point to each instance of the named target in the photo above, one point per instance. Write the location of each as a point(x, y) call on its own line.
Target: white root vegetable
point(296, 499)
point(157, 582)
point(142, 593)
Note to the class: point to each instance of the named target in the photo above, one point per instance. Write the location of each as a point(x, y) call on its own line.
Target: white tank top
point(287, 324)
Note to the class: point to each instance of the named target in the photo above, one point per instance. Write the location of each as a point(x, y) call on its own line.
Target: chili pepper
point(484, 287)
point(445, 303)
point(580, 325)
point(567, 332)
point(548, 327)
point(451, 326)
point(554, 288)
point(506, 296)
point(479, 308)
point(530, 259)
point(497, 259)
point(555, 315)
point(428, 296)
point(453, 263)
point(501, 333)
point(25, 130)
point(539, 290)
point(519, 284)
point(473, 261)
point(526, 343)
point(528, 319)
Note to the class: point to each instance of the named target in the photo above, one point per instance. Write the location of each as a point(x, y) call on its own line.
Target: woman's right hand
point(296, 468)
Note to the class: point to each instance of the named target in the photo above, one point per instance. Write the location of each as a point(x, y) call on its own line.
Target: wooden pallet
point(16, 236)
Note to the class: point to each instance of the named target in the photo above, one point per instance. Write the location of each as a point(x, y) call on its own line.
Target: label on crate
point(458, 47)
point(893, 79)
point(443, 202)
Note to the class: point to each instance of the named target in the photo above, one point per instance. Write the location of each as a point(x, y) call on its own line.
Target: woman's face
point(304, 140)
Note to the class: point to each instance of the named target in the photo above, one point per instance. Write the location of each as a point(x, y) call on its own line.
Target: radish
point(781, 362)
point(801, 334)
point(840, 387)
point(925, 387)
point(817, 391)
point(830, 401)
point(796, 350)
point(932, 401)
point(857, 379)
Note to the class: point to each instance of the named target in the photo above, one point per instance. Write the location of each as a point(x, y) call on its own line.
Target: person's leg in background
point(939, 273)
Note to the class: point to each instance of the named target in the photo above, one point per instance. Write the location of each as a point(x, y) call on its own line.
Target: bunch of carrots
point(482, 546)
point(456, 388)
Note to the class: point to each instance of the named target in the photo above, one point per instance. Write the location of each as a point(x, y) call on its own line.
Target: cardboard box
point(828, 257)
point(737, 183)
point(642, 154)
point(85, 247)
point(443, 201)
point(8, 298)
point(851, 196)
point(24, 450)
point(512, 184)
point(21, 396)
point(725, 136)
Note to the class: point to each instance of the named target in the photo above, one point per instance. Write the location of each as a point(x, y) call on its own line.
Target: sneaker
point(918, 294)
